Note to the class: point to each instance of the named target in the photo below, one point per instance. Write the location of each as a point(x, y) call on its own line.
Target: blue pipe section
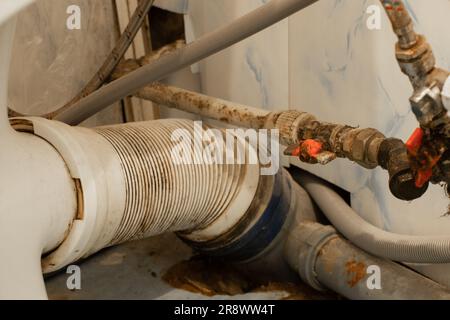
point(266, 229)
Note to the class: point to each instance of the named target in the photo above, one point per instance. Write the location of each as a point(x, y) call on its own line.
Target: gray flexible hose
point(240, 29)
point(397, 247)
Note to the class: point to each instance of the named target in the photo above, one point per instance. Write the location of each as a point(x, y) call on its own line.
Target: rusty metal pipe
point(368, 147)
point(213, 108)
point(240, 29)
point(188, 101)
point(401, 22)
point(360, 145)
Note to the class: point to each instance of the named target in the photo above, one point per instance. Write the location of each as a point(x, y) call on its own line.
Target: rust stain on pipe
point(356, 272)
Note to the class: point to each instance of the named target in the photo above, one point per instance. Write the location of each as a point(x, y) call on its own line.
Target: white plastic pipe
point(37, 203)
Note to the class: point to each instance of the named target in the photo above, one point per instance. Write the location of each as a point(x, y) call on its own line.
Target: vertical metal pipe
point(401, 22)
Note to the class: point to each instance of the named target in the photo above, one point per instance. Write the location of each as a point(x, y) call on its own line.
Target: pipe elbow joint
point(303, 247)
point(393, 157)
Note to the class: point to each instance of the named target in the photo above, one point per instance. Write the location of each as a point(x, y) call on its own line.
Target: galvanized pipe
point(248, 25)
point(213, 108)
point(368, 147)
point(416, 59)
point(401, 22)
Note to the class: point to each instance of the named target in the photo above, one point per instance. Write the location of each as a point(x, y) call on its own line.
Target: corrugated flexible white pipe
point(120, 183)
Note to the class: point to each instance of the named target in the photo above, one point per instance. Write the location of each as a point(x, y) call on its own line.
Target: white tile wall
point(326, 61)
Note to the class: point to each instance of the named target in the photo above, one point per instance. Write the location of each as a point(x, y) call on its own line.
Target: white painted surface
point(37, 198)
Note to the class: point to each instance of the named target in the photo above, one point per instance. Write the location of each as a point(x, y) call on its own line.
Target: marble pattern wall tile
point(251, 72)
point(343, 72)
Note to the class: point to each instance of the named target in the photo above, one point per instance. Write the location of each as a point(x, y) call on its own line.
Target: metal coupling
point(291, 124)
point(393, 156)
point(362, 146)
point(427, 105)
point(416, 61)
